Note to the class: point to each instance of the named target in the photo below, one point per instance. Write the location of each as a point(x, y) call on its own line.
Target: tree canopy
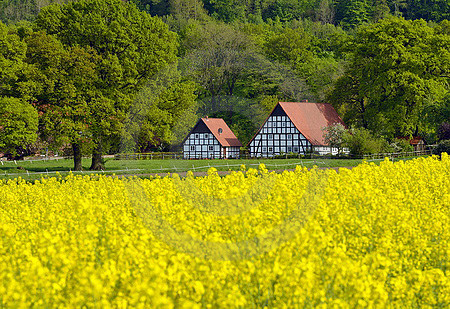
point(109, 75)
point(126, 47)
point(398, 68)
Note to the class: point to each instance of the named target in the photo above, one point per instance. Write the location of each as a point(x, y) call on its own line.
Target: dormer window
point(220, 130)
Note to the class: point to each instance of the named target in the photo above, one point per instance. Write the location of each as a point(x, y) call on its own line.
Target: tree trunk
point(416, 131)
point(77, 157)
point(97, 162)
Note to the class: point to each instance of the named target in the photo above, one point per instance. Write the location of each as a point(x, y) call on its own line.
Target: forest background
point(107, 76)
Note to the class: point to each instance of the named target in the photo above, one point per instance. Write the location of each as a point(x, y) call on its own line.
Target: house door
point(224, 152)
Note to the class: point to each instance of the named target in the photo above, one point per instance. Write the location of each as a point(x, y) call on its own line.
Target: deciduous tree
point(18, 119)
point(398, 68)
point(18, 124)
point(132, 47)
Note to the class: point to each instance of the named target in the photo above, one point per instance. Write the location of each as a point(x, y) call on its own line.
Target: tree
point(361, 141)
point(289, 46)
point(350, 13)
point(288, 10)
point(153, 7)
point(59, 84)
point(398, 7)
point(12, 61)
point(444, 131)
point(226, 10)
point(397, 69)
point(436, 10)
point(219, 62)
point(12, 11)
point(132, 47)
point(334, 136)
point(325, 13)
point(380, 10)
point(18, 119)
point(18, 124)
point(154, 117)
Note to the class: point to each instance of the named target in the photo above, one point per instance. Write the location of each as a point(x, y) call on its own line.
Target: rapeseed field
point(373, 236)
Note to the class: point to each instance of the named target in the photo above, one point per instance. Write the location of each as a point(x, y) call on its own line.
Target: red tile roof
point(310, 118)
point(415, 140)
point(226, 137)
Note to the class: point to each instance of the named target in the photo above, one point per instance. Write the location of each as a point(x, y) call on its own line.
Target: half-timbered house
point(295, 127)
point(211, 138)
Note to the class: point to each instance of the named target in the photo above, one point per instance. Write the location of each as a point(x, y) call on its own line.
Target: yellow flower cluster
point(370, 236)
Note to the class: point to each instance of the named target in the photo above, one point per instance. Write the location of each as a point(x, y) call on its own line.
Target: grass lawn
point(30, 170)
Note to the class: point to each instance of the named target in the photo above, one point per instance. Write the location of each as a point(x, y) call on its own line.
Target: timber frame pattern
point(278, 135)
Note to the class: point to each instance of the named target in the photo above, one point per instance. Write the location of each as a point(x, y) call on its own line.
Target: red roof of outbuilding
point(415, 140)
point(227, 137)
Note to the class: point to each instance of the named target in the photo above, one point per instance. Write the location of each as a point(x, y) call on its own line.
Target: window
point(295, 149)
point(264, 149)
point(211, 148)
point(206, 135)
point(289, 136)
point(289, 149)
point(196, 136)
point(220, 130)
point(192, 148)
point(270, 149)
point(283, 124)
point(270, 136)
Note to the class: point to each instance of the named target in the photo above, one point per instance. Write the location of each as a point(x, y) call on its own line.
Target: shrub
point(443, 146)
point(401, 145)
point(360, 141)
point(444, 131)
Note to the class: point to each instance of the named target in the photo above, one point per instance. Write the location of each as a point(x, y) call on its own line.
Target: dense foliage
point(398, 71)
point(375, 236)
point(112, 75)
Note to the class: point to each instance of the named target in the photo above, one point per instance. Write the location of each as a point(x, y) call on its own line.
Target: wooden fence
point(398, 154)
point(149, 156)
point(179, 155)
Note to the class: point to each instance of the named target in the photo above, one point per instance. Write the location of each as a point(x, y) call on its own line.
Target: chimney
point(305, 101)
